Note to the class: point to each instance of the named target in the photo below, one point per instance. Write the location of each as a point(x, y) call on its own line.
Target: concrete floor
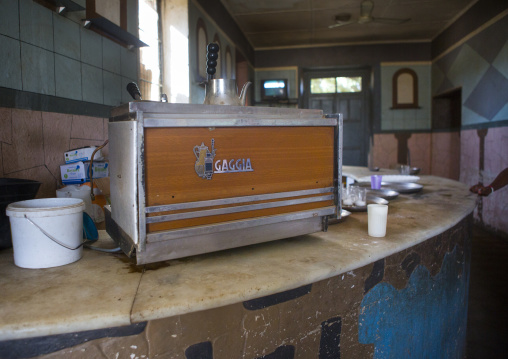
point(487, 325)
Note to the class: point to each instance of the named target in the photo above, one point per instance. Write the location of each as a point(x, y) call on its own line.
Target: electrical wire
point(106, 250)
point(90, 169)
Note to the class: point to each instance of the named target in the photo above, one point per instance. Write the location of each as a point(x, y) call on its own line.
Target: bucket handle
point(53, 238)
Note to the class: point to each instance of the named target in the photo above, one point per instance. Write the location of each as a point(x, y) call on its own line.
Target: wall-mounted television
point(272, 90)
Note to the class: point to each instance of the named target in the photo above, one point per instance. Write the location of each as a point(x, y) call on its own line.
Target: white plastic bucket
point(61, 218)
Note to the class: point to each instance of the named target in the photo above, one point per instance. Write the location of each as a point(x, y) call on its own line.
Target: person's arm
point(499, 182)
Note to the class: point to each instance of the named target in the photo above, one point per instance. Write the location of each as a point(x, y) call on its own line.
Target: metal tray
point(402, 187)
point(406, 187)
point(385, 193)
point(370, 199)
point(343, 215)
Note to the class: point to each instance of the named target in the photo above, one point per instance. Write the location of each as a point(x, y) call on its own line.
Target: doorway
point(346, 92)
point(445, 140)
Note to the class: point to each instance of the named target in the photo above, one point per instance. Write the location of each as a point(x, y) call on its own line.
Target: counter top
point(104, 290)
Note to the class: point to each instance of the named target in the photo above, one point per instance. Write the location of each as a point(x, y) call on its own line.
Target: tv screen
point(274, 89)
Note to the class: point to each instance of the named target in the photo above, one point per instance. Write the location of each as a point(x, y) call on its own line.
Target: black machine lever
point(133, 90)
point(211, 59)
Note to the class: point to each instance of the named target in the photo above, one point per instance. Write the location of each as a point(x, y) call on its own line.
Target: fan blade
point(389, 21)
point(340, 24)
point(366, 8)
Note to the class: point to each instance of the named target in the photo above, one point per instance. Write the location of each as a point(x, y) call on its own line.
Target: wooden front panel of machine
point(281, 159)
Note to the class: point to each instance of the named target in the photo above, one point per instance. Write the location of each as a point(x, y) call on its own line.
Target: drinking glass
point(360, 197)
point(405, 170)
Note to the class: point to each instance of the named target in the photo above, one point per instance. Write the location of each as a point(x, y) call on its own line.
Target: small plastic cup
point(377, 215)
point(375, 181)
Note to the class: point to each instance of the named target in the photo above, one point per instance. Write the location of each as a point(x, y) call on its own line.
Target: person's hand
point(476, 188)
point(481, 190)
point(485, 191)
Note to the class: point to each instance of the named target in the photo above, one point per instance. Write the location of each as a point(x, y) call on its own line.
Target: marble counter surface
point(104, 290)
point(359, 172)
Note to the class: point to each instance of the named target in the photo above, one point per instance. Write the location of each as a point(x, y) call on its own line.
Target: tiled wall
point(480, 67)
point(51, 54)
point(492, 211)
point(436, 154)
point(420, 151)
point(33, 143)
point(445, 154)
point(459, 156)
point(384, 151)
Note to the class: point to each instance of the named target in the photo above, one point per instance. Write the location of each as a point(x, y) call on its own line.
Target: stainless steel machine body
point(143, 224)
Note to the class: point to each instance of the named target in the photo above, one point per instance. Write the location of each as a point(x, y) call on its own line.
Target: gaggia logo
point(204, 160)
point(206, 165)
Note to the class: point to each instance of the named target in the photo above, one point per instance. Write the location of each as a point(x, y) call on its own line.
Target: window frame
point(143, 82)
point(220, 64)
point(396, 104)
point(228, 71)
point(336, 78)
point(200, 24)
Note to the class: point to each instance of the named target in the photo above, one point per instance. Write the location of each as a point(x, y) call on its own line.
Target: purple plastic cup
point(375, 181)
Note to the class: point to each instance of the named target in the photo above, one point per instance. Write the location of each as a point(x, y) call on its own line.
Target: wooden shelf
point(61, 5)
point(96, 22)
point(108, 29)
point(111, 22)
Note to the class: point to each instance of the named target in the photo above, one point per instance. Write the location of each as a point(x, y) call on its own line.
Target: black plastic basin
point(13, 190)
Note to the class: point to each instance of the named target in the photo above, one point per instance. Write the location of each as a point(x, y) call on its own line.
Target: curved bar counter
point(322, 295)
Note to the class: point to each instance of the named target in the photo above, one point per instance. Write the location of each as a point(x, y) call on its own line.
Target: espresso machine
point(188, 179)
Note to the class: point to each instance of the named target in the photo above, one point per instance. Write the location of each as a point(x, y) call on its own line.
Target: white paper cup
point(377, 217)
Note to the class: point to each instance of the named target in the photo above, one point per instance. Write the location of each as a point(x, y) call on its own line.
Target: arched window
point(405, 89)
point(218, 74)
point(201, 43)
point(228, 68)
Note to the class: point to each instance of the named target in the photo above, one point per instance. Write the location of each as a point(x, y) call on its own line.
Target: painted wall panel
point(480, 67)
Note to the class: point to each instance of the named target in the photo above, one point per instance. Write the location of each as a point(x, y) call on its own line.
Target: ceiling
point(300, 23)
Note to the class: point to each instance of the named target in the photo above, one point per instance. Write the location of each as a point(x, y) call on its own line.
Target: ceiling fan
point(365, 17)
